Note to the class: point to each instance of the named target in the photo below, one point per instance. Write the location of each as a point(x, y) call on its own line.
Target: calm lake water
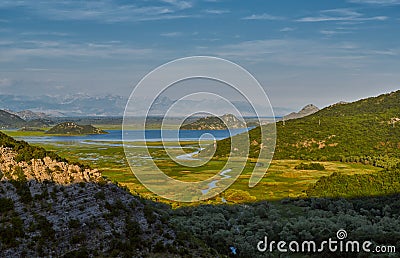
point(137, 135)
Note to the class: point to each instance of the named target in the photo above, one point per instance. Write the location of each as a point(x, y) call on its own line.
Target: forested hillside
point(366, 132)
point(363, 129)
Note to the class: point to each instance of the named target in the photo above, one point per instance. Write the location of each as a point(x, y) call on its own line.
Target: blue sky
point(302, 52)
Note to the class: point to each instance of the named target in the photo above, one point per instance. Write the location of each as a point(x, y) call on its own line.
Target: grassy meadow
point(282, 180)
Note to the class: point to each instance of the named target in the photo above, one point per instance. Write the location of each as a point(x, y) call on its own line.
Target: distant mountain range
point(110, 105)
point(59, 106)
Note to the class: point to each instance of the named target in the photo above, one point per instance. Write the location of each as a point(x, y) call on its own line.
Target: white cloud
point(34, 69)
point(45, 33)
point(5, 82)
point(106, 11)
point(263, 16)
point(31, 49)
point(376, 2)
point(287, 29)
point(333, 32)
point(326, 19)
point(180, 4)
point(303, 53)
point(342, 15)
point(171, 34)
point(6, 42)
point(216, 11)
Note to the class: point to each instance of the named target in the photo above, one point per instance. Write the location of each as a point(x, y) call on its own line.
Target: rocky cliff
point(43, 169)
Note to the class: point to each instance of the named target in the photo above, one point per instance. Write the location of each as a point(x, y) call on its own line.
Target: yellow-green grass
point(16, 133)
point(42, 132)
point(280, 181)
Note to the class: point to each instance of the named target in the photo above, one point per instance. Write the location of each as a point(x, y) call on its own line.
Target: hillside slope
point(50, 207)
point(215, 123)
point(8, 120)
point(305, 111)
point(28, 115)
point(71, 128)
point(13, 120)
point(366, 128)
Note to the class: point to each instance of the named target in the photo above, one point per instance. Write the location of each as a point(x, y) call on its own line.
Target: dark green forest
point(374, 219)
point(366, 128)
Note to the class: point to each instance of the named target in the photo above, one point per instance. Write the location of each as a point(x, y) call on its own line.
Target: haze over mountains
point(70, 105)
point(108, 105)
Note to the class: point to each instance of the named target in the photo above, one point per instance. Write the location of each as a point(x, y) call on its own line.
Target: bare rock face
point(306, 111)
point(30, 115)
point(44, 169)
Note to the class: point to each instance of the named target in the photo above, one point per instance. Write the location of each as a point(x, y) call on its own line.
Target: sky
point(301, 52)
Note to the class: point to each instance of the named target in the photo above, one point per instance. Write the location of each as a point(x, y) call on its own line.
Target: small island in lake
point(215, 123)
point(71, 128)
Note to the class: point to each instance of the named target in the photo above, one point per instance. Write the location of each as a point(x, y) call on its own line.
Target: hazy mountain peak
point(305, 111)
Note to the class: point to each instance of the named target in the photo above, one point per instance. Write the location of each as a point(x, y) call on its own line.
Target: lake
point(137, 135)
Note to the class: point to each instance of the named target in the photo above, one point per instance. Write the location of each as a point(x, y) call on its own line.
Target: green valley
point(339, 166)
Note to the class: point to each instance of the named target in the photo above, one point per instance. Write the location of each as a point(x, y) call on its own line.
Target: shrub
point(74, 223)
point(311, 166)
point(6, 205)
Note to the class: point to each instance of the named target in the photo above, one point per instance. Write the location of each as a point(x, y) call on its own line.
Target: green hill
point(360, 130)
point(8, 120)
point(71, 128)
point(215, 123)
point(26, 152)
